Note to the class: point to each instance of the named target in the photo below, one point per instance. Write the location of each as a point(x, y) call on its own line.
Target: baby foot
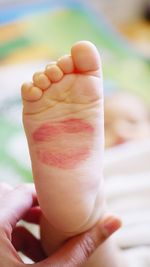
point(63, 121)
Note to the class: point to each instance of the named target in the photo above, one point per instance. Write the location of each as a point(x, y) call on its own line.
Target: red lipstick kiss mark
point(62, 160)
point(67, 142)
point(48, 131)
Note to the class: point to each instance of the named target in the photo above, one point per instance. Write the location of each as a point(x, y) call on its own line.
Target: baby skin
point(63, 121)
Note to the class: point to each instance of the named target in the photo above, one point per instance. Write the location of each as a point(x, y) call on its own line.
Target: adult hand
point(21, 203)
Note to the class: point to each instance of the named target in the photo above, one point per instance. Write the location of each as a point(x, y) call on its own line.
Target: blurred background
point(32, 33)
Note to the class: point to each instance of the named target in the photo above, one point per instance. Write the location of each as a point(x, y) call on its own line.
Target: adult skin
point(21, 203)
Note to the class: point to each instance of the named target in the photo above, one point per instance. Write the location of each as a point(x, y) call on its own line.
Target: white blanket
point(127, 180)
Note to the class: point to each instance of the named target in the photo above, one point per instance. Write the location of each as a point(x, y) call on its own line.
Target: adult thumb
point(76, 251)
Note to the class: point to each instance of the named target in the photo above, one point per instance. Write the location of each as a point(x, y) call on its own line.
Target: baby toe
point(54, 73)
point(31, 92)
point(66, 64)
point(85, 56)
point(41, 80)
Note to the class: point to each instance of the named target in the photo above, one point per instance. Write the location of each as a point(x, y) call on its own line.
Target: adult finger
point(28, 244)
point(16, 203)
point(78, 249)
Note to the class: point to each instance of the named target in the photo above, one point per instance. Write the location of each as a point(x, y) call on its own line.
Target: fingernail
point(111, 225)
